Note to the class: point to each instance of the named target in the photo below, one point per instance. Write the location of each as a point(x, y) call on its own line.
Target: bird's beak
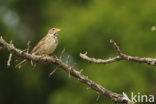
point(58, 30)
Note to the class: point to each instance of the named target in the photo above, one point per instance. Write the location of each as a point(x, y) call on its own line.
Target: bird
point(45, 46)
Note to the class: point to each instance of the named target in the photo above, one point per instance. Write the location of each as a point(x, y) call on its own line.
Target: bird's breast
point(53, 42)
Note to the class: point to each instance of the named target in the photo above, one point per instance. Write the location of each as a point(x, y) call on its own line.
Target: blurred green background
point(87, 25)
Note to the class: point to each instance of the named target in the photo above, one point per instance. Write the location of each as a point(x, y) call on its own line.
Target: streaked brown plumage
point(45, 46)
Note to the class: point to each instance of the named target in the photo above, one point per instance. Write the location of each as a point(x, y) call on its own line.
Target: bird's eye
point(53, 29)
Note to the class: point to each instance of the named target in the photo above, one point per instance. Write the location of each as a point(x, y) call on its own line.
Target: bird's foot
point(45, 55)
point(42, 55)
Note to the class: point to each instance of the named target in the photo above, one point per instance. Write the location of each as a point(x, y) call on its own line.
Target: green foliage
point(87, 25)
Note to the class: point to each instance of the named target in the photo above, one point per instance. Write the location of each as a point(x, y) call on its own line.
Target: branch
point(120, 56)
point(84, 79)
point(99, 61)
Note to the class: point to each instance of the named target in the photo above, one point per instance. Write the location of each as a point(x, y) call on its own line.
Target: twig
point(116, 47)
point(84, 79)
point(10, 56)
point(9, 60)
point(51, 73)
point(67, 62)
point(62, 53)
point(120, 56)
point(31, 62)
point(28, 46)
point(98, 96)
point(55, 69)
point(99, 61)
point(68, 58)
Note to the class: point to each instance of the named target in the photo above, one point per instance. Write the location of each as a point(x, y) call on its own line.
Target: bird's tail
point(19, 65)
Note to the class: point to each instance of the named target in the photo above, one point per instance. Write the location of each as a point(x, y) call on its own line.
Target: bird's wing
point(40, 43)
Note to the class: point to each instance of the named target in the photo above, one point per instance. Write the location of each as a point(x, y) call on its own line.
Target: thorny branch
point(84, 79)
point(120, 56)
